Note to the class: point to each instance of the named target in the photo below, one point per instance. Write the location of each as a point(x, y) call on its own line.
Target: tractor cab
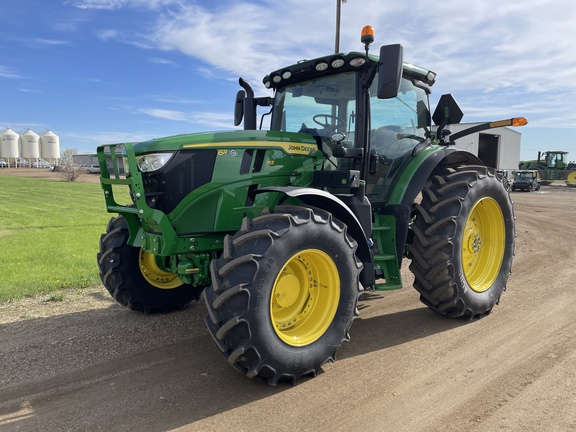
point(556, 159)
point(354, 128)
point(366, 112)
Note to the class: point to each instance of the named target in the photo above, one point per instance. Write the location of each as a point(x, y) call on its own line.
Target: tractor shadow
point(385, 331)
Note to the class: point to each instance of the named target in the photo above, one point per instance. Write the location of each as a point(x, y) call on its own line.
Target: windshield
point(321, 106)
point(524, 175)
point(327, 105)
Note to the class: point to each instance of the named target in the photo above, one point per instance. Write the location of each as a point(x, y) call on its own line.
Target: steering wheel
point(411, 136)
point(326, 124)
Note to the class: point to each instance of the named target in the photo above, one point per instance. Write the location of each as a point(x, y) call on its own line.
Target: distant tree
point(69, 170)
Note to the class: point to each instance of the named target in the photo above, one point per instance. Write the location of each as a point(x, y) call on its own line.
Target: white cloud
point(89, 80)
point(178, 100)
point(51, 41)
point(497, 55)
point(5, 72)
point(159, 60)
point(248, 39)
point(208, 119)
point(88, 142)
point(26, 90)
point(117, 4)
point(109, 34)
point(37, 43)
point(167, 114)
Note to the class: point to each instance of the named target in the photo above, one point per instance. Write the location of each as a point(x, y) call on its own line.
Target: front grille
point(186, 171)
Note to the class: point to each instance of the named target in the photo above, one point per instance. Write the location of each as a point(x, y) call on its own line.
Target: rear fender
point(445, 157)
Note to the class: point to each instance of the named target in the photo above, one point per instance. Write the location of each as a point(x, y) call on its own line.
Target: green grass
point(49, 234)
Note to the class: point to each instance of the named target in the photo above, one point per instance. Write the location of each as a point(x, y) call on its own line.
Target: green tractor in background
point(283, 229)
point(552, 165)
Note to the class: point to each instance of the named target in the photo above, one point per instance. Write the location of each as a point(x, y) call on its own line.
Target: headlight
point(153, 162)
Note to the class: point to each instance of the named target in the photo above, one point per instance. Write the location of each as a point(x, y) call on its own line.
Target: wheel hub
point(305, 297)
point(287, 290)
point(154, 274)
point(474, 243)
point(483, 244)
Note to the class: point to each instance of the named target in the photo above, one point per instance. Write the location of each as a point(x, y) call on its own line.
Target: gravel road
point(86, 363)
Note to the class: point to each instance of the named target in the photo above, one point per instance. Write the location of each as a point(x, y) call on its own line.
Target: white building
point(498, 148)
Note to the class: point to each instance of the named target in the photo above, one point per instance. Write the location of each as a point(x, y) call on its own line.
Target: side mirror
point(239, 107)
point(390, 70)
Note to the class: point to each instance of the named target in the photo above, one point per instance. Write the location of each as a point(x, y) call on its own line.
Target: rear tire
point(133, 279)
point(463, 242)
point(284, 294)
point(571, 179)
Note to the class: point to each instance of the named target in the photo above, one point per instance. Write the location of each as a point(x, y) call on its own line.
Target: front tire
point(284, 294)
point(463, 242)
point(133, 278)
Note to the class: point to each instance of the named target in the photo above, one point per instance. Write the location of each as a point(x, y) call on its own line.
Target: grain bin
point(9, 144)
point(30, 145)
point(50, 145)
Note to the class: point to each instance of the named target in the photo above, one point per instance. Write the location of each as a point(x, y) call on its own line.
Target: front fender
point(331, 203)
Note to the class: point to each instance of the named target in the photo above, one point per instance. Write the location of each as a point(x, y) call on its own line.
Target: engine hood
point(291, 142)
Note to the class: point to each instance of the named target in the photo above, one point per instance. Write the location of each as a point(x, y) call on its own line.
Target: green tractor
point(283, 229)
point(552, 165)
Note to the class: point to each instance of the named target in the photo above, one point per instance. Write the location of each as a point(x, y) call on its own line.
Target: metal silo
point(9, 145)
point(30, 145)
point(50, 146)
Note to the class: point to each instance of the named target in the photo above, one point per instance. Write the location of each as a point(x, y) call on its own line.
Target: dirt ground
point(86, 363)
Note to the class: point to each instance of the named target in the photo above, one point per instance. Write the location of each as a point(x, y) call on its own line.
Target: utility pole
point(338, 14)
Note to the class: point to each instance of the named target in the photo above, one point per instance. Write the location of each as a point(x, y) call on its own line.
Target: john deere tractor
point(552, 165)
point(282, 228)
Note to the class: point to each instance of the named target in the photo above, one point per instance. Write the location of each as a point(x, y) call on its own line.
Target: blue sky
point(104, 71)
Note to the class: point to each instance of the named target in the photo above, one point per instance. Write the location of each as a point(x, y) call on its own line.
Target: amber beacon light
point(367, 35)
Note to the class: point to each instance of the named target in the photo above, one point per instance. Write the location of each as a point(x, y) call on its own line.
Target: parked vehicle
point(526, 180)
point(552, 165)
point(19, 163)
point(4, 163)
point(41, 163)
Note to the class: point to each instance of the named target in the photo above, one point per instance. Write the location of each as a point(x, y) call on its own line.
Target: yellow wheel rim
point(571, 178)
point(154, 275)
point(305, 297)
point(483, 244)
